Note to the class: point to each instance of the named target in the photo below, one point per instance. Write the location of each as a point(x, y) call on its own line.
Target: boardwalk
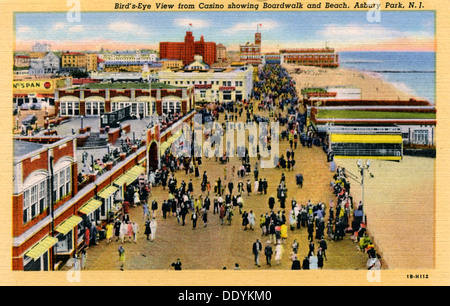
point(217, 246)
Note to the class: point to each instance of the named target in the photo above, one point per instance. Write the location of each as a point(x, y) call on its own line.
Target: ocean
point(412, 72)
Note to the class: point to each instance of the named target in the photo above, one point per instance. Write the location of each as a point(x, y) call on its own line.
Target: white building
point(38, 47)
point(49, 63)
point(128, 57)
point(223, 85)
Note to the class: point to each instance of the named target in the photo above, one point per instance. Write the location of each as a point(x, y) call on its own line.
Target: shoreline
point(373, 85)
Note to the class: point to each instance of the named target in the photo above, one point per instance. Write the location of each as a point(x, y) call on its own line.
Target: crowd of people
point(193, 200)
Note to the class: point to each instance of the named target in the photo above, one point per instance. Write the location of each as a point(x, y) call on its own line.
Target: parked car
point(25, 106)
point(36, 106)
point(29, 120)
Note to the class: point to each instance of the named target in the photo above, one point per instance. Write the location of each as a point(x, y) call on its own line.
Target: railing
point(109, 160)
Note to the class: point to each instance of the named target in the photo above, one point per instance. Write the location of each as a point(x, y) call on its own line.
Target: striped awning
point(130, 176)
point(166, 144)
point(68, 225)
point(90, 206)
point(41, 247)
point(105, 193)
point(357, 138)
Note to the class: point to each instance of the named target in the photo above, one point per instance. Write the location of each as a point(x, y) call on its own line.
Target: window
point(43, 204)
point(227, 95)
point(67, 180)
point(62, 185)
point(26, 206)
point(421, 137)
point(35, 200)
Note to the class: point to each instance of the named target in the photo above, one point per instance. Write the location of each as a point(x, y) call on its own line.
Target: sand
point(400, 206)
point(372, 85)
point(400, 198)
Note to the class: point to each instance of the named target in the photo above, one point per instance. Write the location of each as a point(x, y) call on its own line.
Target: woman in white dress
point(278, 253)
point(153, 226)
point(123, 230)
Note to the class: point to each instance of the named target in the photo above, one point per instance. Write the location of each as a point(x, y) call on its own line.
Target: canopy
point(130, 176)
point(68, 224)
point(90, 206)
point(169, 141)
point(105, 193)
point(41, 247)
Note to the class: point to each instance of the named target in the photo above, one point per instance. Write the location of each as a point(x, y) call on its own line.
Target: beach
point(372, 85)
point(400, 209)
point(400, 197)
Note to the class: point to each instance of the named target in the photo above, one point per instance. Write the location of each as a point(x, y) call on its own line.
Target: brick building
point(164, 99)
point(321, 57)
point(186, 50)
point(251, 53)
point(38, 165)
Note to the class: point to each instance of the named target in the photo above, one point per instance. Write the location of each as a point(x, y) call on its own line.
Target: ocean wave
point(361, 61)
point(404, 71)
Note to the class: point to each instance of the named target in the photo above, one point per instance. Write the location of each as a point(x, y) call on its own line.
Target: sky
point(344, 31)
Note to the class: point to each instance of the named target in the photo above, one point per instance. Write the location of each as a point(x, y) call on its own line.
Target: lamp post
point(362, 168)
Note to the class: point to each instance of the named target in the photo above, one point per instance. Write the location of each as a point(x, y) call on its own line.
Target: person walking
point(130, 231)
point(135, 231)
point(83, 259)
point(257, 248)
point(145, 211)
point(117, 225)
point(154, 207)
point(251, 220)
point(109, 232)
point(148, 230)
point(268, 252)
point(87, 237)
point(249, 187)
point(221, 214)
point(278, 253)
point(121, 256)
point(194, 219)
point(205, 217)
point(153, 226)
point(176, 265)
point(244, 220)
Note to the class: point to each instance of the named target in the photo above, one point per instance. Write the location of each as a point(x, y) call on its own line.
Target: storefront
point(128, 179)
point(38, 258)
point(65, 236)
point(109, 202)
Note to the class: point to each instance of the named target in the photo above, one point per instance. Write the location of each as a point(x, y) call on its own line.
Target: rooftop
point(25, 147)
point(353, 114)
point(128, 85)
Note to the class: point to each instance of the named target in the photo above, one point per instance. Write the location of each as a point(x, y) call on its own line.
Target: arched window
point(35, 196)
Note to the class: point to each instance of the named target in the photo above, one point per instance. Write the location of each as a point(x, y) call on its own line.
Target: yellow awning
point(41, 247)
point(130, 176)
point(68, 225)
point(90, 206)
point(105, 193)
point(357, 138)
point(169, 141)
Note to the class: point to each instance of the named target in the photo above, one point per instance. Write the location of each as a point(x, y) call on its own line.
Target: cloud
point(265, 25)
point(58, 26)
point(355, 35)
point(196, 23)
point(77, 28)
point(356, 31)
point(24, 29)
point(126, 27)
